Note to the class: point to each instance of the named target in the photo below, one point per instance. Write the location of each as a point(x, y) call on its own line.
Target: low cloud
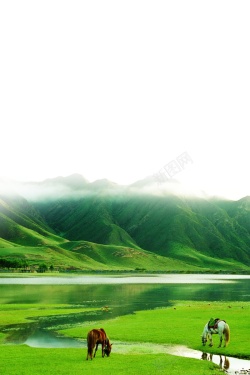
point(72, 187)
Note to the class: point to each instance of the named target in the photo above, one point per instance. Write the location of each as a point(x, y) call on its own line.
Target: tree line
point(13, 263)
point(22, 264)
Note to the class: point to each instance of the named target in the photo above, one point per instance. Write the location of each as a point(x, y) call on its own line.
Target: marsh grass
point(181, 324)
point(22, 313)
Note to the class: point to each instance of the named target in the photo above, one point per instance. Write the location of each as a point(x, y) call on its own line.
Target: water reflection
point(48, 339)
point(112, 300)
point(228, 364)
point(222, 361)
point(140, 295)
point(125, 279)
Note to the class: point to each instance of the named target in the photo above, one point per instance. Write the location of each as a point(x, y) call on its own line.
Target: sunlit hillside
point(72, 224)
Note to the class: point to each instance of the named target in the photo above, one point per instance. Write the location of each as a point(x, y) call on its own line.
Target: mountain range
point(69, 223)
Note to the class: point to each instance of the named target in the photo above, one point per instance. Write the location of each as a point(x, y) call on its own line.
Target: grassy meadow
point(181, 324)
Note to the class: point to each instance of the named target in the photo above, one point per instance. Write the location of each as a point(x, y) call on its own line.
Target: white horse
point(221, 328)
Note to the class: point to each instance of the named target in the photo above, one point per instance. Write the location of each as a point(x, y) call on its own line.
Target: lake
point(124, 293)
point(120, 294)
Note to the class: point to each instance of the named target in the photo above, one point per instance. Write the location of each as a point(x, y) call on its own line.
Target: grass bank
point(181, 324)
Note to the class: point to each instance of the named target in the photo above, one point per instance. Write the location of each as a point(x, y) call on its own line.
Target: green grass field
point(24, 361)
point(88, 256)
point(181, 324)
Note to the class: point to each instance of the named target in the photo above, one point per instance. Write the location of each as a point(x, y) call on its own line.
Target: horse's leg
point(221, 338)
point(89, 352)
point(103, 346)
point(221, 361)
point(210, 339)
point(96, 348)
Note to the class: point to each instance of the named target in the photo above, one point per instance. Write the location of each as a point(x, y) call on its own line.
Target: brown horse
point(96, 337)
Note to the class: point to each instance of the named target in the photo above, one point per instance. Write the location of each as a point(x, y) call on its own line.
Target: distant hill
point(71, 223)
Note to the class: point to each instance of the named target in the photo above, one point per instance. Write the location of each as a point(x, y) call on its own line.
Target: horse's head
point(204, 335)
point(108, 347)
point(203, 340)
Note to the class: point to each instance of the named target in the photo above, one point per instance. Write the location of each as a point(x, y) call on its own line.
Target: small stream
point(230, 365)
point(48, 339)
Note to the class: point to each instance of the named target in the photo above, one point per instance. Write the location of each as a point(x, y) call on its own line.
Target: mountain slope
point(167, 220)
point(126, 227)
point(20, 222)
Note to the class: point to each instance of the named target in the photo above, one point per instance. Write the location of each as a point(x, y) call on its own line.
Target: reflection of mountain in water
point(155, 294)
point(118, 300)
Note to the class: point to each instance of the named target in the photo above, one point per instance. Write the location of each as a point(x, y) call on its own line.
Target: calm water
point(125, 293)
point(117, 295)
point(114, 296)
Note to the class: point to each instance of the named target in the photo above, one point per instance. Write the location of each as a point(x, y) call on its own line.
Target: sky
point(123, 89)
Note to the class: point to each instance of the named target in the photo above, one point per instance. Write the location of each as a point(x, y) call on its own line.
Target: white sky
point(118, 89)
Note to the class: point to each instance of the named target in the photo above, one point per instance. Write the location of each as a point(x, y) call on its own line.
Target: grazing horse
point(96, 337)
point(219, 327)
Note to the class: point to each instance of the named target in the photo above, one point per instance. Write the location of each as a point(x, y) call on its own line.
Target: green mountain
point(70, 223)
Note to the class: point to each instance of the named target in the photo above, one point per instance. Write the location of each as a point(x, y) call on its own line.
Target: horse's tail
point(227, 334)
point(90, 344)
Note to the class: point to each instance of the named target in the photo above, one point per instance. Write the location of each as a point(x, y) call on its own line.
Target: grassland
point(181, 324)
point(88, 256)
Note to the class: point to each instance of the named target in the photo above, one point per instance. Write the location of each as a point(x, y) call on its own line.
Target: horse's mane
point(106, 337)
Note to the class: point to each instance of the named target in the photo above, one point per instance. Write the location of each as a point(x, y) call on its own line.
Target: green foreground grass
point(24, 361)
point(180, 324)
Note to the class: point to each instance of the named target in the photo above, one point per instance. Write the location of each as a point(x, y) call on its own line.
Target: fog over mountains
point(77, 184)
point(152, 225)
